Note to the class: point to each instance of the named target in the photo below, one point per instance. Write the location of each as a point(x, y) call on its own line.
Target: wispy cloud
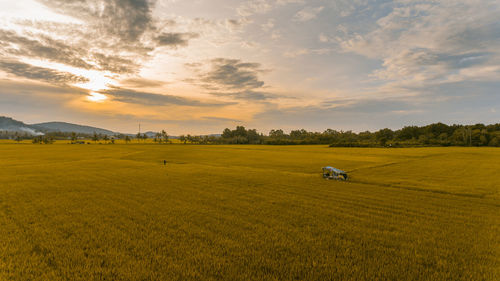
point(24, 70)
point(175, 39)
point(230, 74)
point(431, 40)
point(150, 99)
point(307, 13)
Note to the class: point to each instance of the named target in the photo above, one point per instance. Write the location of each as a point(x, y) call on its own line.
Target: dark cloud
point(39, 73)
point(116, 64)
point(43, 47)
point(232, 74)
point(175, 39)
point(127, 24)
point(123, 32)
point(136, 97)
point(141, 83)
point(127, 20)
point(211, 118)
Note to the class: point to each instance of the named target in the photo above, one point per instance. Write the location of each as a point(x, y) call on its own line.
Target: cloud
point(231, 74)
point(150, 99)
point(175, 39)
point(426, 44)
point(425, 64)
point(222, 119)
point(286, 2)
point(42, 47)
point(127, 20)
point(268, 26)
point(323, 38)
point(307, 14)
point(252, 7)
point(115, 36)
point(114, 63)
point(141, 83)
point(246, 95)
point(302, 52)
point(40, 73)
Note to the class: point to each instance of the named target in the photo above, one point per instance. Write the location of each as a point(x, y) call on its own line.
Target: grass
point(115, 212)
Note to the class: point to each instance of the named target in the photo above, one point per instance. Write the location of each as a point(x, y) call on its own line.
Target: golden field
point(115, 212)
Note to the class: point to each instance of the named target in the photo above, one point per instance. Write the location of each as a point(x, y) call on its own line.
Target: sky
point(199, 66)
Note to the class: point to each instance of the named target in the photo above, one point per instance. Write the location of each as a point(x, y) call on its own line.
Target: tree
point(127, 139)
point(164, 136)
point(494, 142)
point(138, 136)
point(253, 137)
point(183, 139)
point(95, 137)
point(105, 138)
point(240, 131)
point(144, 137)
point(48, 140)
point(227, 134)
point(277, 134)
point(384, 135)
point(73, 137)
point(408, 133)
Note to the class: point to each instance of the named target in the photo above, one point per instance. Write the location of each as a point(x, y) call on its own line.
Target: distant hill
point(68, 128)
point(11, 125)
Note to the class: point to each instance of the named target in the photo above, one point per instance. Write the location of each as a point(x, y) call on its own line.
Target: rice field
point(116, 212)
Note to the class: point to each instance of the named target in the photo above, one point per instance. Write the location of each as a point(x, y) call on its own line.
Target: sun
point(96, 97)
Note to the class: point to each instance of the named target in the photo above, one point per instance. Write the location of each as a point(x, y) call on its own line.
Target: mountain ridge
point(66, 127)
point(12, 125)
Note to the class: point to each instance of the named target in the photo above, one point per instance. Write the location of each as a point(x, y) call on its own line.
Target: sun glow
point(96, 97)
point(97, 81)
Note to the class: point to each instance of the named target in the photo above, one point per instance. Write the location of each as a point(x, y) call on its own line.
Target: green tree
point(227, 134)
point(494, 142)
point(164, 136)
point(73, 137)
point(384, 135)
point(182, 138)
point(95, 137)
point(277, 134)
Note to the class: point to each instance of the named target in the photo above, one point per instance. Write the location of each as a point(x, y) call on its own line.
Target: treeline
point(437, 134)
point(16, 135)
point(81, 138)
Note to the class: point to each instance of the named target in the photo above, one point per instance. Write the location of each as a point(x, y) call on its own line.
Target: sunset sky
point(203, 65)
